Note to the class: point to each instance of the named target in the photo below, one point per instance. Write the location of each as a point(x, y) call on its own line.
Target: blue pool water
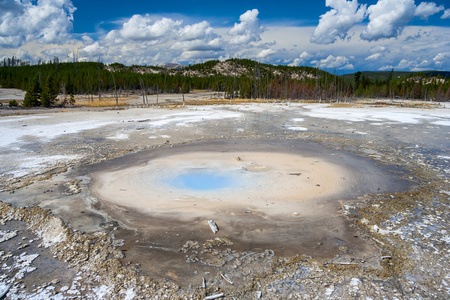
point(202, 180)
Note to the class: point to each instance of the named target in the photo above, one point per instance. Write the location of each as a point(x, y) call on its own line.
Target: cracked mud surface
point(387, 238)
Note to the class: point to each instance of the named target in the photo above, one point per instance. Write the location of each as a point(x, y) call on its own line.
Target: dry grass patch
point(105, 102)
point(399, 103)
point(347, 105)
point(215, 101)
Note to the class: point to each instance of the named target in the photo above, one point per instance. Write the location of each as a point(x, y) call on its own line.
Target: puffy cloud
point(11, 7)
point(144, 28)
point(200, 45)
point(265, 53)
point(426, 9)
point(196, 31)
point(248, 30)
point(47, 21)
point(93, 51)
point(145, 39)
point(377, 52)
point(305, 55)
point(423, 66)
point(374, 56)
point(87, 40)
point(331, 62)
point(58, 52)
point(387, 67)
point(198, 56)
point(441, 58)
point(379, 49)
point(408, 64)
point(387, 18)
point(404, 64)
point(336, 23)
point(414, 65)
point(23, 54)
point(114, 37)
point(301, 59)
point(197, 38)
point(446, 14)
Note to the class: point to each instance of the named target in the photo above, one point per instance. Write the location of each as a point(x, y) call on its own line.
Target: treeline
point(408, 86)
point(234, 78)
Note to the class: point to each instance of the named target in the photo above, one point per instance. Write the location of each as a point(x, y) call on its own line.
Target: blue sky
point(346, 35)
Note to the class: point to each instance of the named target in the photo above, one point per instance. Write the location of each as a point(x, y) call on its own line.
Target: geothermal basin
point(203, 184)
point(262, 194)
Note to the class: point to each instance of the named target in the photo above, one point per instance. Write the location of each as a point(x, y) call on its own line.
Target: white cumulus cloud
point(196, 31)
point(144, 28)
point(335, 23)
point(265, 53)
point(304, 56)
point(197, 38)
point(200, 45)
point(387, 18)
point(405, 64)
point(446, 14)
point(374, 56)
point(426, 9)
point(248, 30)
point(331, 62)
point(61, 53)
point(47, 21)
point(441, 58)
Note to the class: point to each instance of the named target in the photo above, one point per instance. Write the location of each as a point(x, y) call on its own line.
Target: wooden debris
point(226, 279)
point(203, 283)
point(295, 174)
point(216, 296)
point(213, 226)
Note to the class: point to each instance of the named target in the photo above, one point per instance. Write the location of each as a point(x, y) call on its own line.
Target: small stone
point(23, 246)
point(64, 288)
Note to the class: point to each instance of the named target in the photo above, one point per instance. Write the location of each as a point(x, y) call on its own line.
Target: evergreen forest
point(233, 78)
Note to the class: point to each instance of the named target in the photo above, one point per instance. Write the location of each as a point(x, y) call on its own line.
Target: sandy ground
point(11, 94)
point(125, 99)
point(381, 233)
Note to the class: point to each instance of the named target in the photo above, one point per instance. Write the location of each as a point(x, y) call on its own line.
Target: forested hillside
point(241, 78)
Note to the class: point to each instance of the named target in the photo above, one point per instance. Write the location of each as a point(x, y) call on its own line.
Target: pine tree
point(49, 93)
point(70, 90)
point(33, 95)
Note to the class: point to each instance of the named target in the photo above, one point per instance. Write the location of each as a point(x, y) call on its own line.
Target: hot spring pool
point(205, 180)
point(199, 184)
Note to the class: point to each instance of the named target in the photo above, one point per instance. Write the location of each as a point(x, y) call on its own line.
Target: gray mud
point(386, 237)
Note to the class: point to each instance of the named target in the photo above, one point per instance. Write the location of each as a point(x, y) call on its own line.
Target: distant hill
point(232, 78)
point(384, 75)
point(173, 66)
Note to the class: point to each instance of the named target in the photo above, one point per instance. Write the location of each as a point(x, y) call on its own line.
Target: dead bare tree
point(157, 95)
point(115, 89)
point(144, 93)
